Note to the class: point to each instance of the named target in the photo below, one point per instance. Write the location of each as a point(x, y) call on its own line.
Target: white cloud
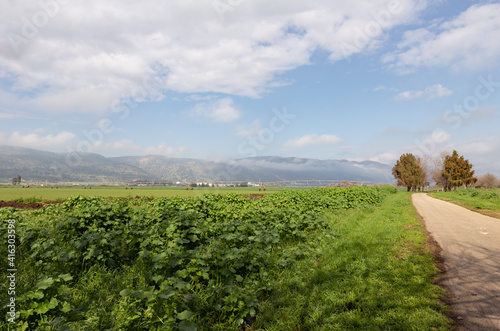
point(312, 139)
point(9, 115)
point(36, 141)
point(88, 55)
point(486, 113)
point(197, 97)
point(249, 130)
point(221, 110)
point(464, 43)
point(482, 152)
point(431, 92)
point(386, 158)
point(479, 147)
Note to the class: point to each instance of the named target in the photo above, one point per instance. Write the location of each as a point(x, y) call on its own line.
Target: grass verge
point(374, 272)
point(484, 201)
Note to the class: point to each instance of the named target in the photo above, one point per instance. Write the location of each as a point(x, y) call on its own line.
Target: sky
point(228, 79)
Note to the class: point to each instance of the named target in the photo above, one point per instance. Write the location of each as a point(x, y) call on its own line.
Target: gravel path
point(471, 253)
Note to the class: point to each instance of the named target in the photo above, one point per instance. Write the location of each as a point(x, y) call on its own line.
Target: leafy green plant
point(167, 263)
point(46, 303)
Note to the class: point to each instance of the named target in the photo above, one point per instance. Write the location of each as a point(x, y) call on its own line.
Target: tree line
point(450, 171)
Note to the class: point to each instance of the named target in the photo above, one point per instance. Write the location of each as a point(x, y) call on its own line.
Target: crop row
point(166, 264)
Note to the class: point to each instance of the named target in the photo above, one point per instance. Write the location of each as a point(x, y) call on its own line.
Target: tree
point(488, 181)
point(437, 172)
point(16, 180)
point(422, 178)
point(457, 171)
point(410, 172)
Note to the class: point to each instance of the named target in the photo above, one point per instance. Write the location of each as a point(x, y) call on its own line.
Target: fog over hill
point(35, 165)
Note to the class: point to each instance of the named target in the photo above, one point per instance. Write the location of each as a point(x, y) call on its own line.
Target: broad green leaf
point(53, 303)
point(125, 293)
point(42, 308)
point(66, 307)
point(44, 283)
point(35, 295)
point(157, 278)
point(185, 315)
point(167, 294)
point(66, 277)
point(159, 257)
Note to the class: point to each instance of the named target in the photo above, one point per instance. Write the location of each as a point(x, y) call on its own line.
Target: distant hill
point(35, 165)
point(260, 169)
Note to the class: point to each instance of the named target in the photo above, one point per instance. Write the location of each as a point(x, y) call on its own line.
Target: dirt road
point(471, 252)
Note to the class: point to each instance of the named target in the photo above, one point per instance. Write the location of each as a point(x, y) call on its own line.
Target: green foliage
point(410, 171)
point(476, 199)
point(457, 171)
point(33, 199)
point(169, 263)
point(377, 276)
point(16, 180)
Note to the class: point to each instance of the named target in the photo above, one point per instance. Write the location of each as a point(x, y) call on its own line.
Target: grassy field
point(372, 272)
point(320, 259)
point(9, 193)
point(485, 201)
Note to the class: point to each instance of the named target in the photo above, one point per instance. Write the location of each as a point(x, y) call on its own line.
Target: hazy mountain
point(265, 169)
point(35, 165)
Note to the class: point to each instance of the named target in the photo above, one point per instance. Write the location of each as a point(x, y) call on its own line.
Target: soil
point(470, 252)
point(30, 205)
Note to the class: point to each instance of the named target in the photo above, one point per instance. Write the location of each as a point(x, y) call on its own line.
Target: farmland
point(8, 193)
point(317, 259)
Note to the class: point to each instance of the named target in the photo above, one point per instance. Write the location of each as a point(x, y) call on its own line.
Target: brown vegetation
point(488, 181)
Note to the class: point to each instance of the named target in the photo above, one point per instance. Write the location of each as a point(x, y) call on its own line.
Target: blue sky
point(357, 80)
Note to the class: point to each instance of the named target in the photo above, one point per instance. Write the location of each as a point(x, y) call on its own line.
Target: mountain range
point(40, 166)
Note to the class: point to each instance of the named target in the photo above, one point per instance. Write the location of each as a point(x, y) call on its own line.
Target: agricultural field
point(486, 201)
point(36, 194)
point(316, 259)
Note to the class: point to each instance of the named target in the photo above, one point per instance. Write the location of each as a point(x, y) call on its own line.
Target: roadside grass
point(373, 272)
point(38, 194)
point(484, 201)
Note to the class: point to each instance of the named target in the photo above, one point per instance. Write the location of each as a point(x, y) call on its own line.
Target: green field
point(486, 201)
point(10, 193)
point(316, 259)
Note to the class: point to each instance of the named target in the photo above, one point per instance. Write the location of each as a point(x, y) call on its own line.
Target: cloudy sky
point(218, 79)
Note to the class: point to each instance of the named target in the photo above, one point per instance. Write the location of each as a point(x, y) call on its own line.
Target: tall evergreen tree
point(457, 171)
